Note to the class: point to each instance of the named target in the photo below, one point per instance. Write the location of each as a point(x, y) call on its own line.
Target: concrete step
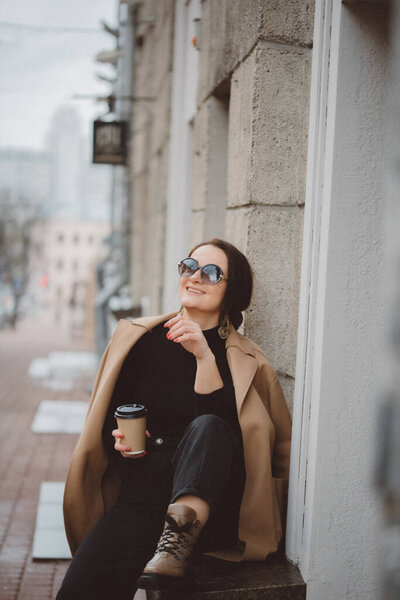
point(274, 579)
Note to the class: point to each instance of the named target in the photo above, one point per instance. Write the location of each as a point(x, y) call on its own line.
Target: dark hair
point(240, 281)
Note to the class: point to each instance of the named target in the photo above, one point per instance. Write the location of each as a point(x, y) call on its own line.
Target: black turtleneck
point(160, 374)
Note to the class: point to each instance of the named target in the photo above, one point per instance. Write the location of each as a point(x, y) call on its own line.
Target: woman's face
point(195, 294)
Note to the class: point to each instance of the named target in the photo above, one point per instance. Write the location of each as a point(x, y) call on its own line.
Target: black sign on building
point(110, 142)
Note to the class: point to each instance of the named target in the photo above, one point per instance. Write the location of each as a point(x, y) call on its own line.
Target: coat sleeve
point(76, 520)
point(99, 374)
point(100, 369)
point(280, 417)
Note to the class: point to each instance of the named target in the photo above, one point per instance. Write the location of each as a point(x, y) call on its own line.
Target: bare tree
point(17, 215)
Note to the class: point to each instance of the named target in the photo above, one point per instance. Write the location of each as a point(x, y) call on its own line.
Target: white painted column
point(334, 512)
point(184, 87)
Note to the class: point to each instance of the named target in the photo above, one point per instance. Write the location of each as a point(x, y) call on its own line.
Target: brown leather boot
point(169, 564)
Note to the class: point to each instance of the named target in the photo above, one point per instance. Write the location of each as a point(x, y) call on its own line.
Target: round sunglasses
point(209, 274)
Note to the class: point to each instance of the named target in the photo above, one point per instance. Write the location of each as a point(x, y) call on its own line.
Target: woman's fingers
point(118, 436)
point(184, 327)
point(174, 320)
point(185, 337)
point(178, 321)
point(177, 331)
point(117, 433)
point(189, 329)
point(120, 447)
point(189, 334)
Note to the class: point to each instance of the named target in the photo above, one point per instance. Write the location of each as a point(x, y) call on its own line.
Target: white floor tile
point(60, 416)
point(50, 544)
point(39, 368)
point(51, 491)
point(61, 365)
point(50, 541)
point(49, 516)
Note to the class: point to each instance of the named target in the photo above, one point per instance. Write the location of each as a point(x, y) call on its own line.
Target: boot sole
point(154, 581)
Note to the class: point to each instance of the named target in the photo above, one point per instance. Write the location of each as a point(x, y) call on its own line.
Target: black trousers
point(208, 463)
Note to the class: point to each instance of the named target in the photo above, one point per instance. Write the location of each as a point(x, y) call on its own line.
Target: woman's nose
point(196, 276)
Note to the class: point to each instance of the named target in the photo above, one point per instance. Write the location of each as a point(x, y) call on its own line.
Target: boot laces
point(175, 539)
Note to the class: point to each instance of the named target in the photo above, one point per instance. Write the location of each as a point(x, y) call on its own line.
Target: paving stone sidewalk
point(27, 459)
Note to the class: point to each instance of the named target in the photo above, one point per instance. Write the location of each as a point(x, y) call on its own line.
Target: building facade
point(219, 150)
point(63, 260)
point(267, 123)
point(25, 178)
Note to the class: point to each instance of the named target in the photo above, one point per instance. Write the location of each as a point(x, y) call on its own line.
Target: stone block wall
point(259, 54)
point(248, 163)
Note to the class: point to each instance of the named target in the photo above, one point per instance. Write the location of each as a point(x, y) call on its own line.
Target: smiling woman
point(201, 298)
point(212, 478)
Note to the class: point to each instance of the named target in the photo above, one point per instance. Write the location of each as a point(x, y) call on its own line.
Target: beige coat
point(92, 485)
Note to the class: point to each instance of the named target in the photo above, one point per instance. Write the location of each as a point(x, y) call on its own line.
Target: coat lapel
point(126, 335)
point(242, 364)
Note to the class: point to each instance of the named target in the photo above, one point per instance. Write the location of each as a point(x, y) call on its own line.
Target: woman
point(214, 475)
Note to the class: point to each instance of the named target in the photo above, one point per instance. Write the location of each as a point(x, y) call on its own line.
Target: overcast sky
point(40, 70)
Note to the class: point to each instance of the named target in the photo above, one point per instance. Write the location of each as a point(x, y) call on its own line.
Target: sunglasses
point(209, 274)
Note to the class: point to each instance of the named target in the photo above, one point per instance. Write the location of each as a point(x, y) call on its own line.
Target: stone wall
point(249, 152)
point(256, 58)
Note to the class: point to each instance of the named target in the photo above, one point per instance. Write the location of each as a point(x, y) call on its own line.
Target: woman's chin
point(190, 302)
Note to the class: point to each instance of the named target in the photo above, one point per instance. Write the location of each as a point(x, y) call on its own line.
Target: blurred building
point(25, 178)
point(63, 269)
point(268, 124)
point(65, 143)
point(67, 243)
point(79, 189)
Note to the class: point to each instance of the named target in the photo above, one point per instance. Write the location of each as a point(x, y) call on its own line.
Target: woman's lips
point(192, 290)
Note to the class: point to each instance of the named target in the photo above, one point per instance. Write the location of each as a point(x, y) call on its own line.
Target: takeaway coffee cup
point(131, 419)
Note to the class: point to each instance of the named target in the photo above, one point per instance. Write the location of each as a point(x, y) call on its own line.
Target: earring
point(223, 330)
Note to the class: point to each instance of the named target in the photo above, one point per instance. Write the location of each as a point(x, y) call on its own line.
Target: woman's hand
point(189, 335)
point(118, 436)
